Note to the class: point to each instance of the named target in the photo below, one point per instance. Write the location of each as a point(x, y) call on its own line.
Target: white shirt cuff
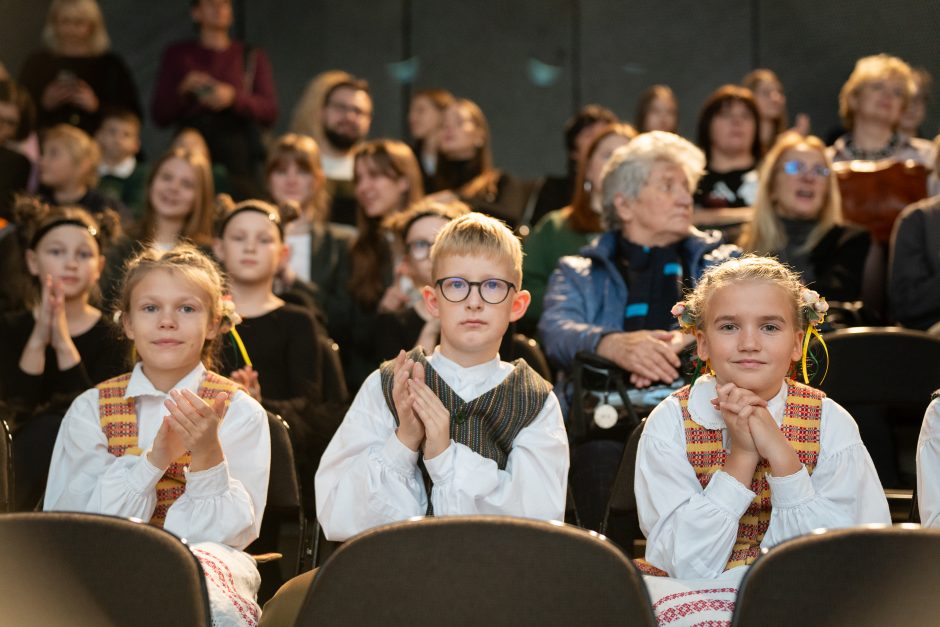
point(398, 456)
point(728, 494)
point(209, 482)
point(144, 476)
point(441, 468)
point(792, 490)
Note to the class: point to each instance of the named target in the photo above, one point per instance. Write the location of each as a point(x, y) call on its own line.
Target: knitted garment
point(118, 416)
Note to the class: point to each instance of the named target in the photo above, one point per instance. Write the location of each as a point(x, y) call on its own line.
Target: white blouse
point(367, 477)
point(928, 467)
point(690, 531)
point(221, 504)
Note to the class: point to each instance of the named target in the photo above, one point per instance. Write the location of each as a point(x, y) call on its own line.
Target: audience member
point(556, 192)
point(657, 110)
point(425, 121)
point(151, 444)
point(388, 179)
point(772, 107)
point(336, 110)
point(191, 140)
point(565, 231)
point(798, 219)
point(15, 127)
point(76, 76)
point(745, 458)
point(223, 88)
point(58, 343)
point(727, 133)
point(120, 175)
point(502, 463)
point(916, 110)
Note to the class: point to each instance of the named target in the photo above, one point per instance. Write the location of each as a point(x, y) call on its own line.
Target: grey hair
point(628, 169)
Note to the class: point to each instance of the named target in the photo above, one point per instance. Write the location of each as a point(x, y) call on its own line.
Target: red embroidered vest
point(118, 415)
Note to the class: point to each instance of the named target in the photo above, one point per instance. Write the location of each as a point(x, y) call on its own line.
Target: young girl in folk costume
point(172, 442)
point(745, 457)
point(59, 343)
point(278, 360)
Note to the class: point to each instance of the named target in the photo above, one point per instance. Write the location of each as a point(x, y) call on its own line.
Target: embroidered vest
point(118, 415)
point(488, 424)
point(705, 451)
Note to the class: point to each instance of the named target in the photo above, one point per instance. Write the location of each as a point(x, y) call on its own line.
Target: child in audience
point(68, 171)
point(928, 465)
point(441, 414)
point(59, 344)
point(120, 174)
point(745, 457)
point(173, 442)
point(280, 367)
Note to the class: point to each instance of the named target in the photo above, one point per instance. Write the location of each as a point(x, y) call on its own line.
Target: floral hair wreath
point(230, 319)
point(813, 309)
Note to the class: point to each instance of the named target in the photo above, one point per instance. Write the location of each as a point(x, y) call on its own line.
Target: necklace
point(872, 155)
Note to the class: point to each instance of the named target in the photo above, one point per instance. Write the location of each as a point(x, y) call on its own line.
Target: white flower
point(822, 306)
point(809, 297)
point(229, 313)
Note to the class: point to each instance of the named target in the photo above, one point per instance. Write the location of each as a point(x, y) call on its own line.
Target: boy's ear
point(31, 263)
point(520, 303)
point(429, 294)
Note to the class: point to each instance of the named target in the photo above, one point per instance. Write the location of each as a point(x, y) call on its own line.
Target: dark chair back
point(621, 522)
point(529, 350)
point(283, 513)
point(866, 576)
point(471, 570)
point(334, 380)
point(63, 568)
point(6, 468)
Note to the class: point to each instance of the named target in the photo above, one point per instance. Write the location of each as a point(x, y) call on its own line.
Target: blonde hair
point(189, 263)
point(198, 226)
point(478, 235)
point(765, 233)
point(98, 43)
point(873, 68)
point(83, 150)
point(744, 269)
point(305, 154)
point(445, 208)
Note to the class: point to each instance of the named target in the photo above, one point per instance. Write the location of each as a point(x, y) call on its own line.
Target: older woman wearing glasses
point(797, 218)
point(615, 298)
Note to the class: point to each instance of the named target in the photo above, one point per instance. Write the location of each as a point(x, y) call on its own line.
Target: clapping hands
point(423, 421)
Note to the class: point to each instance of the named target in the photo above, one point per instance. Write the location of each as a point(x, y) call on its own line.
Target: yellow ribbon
point(810, 332)
point(241, 347)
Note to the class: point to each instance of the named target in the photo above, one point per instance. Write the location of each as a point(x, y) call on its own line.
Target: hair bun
point(109, 227)
point(289, 211)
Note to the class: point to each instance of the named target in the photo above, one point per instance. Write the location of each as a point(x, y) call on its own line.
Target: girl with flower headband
point(173, 442)
point(745, 457)
point(59, 344)
point(274, 353)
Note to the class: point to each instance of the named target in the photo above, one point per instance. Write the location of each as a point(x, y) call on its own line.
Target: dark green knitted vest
point(489, 423)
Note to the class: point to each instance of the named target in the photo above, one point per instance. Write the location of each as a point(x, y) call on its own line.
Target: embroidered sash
point(118, 415)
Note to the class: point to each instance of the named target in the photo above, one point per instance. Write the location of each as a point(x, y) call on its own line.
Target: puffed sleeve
point(843, 490)
point(367, 477)
point(85, 477)
point(532, 485)
point(225, 503)
point(690, 531)
point(928, 467)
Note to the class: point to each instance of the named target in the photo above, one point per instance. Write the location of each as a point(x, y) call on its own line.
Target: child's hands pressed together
point(736, 406)
point(432, 414)
point(247, 377)
point(773, 445)
point(196, 423)
point(410, 430)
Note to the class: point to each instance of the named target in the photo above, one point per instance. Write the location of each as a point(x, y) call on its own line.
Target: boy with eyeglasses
point(456, 432)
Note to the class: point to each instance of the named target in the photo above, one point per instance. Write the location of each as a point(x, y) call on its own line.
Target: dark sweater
point(914, 279)
point(835, 266)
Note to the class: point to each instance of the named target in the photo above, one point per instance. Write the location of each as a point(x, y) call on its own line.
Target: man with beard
point(345, 119)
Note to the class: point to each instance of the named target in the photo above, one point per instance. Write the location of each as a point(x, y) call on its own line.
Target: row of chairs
point(459, 570)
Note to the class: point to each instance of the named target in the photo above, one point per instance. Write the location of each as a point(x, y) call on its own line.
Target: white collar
point(452, 371)
point(122, 170)
point(704, 413)
point(140, 385)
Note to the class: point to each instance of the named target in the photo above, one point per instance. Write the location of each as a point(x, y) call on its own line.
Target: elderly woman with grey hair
point(614, 299)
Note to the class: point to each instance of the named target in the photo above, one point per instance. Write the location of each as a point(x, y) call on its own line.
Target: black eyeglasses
point(418, 250)
point(456, 289)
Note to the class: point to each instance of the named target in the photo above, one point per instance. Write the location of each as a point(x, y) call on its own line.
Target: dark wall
point(530, 63)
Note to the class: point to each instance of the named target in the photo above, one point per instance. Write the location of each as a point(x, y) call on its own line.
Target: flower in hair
point(681, 312)
point(229, 314)
point(813, 307)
